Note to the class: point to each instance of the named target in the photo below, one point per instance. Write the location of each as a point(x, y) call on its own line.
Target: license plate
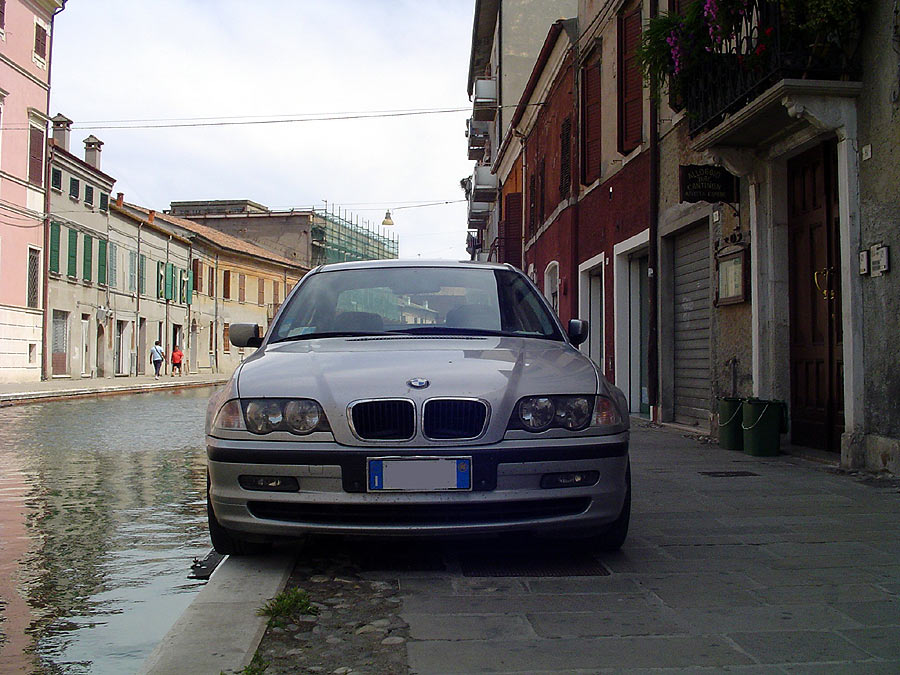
point(420, 474)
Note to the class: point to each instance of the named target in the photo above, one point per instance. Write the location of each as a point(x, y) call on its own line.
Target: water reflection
point(102, 509)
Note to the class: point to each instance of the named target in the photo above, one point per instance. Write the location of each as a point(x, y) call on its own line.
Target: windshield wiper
point(331, 334)
point(446, 330)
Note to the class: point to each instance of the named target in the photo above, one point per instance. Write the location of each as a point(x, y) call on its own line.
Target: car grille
point(394, 515)
point(391, 420)
point(453, 418)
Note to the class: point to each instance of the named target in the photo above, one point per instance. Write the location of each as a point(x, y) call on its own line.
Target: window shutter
point(190, 287)
point(74, 187)
point(54, 247)
point(211, 281)
point(101, 261)
point(565, 159)
point(40, 41)
point(531, 203)
point(142, 275)
point(261, 291)
point(510, 231)
point(2, 14)
point(170, 281)
point(88, 195)
point(226, 343)
point(242, 287)
point(591, 117)
point(226, 285)
point(276, 292)
point(631, 104)
point(113, 265)
point(196, 267)
point(36, 156)
point(542, 192)
point(104, 201)
point(56, 179)
point(72, 270)
point(88, 260)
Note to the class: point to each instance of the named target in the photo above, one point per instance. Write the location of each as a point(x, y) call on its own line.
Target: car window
point(430, 300)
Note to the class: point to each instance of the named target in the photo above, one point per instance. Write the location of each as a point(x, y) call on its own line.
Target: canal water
point(102, 511)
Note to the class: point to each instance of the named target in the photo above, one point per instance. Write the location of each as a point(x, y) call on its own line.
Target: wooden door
point(817, 410)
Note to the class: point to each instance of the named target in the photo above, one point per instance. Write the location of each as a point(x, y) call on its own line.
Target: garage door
point(692, 316)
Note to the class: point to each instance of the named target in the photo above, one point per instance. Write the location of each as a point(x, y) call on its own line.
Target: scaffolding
point(334, 238)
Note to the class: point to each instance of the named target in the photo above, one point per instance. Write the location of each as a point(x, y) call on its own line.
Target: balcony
point(484, 99)
point(755, 52)
point(485, 185)
point(479, 214)
point(477, 133)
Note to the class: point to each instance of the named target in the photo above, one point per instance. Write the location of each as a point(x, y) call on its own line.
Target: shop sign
point(699, 183)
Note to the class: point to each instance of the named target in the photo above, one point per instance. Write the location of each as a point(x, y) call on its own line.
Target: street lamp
point(387, 222)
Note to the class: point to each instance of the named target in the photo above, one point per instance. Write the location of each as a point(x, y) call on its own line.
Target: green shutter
point(54, 247)
point(72, 270)
point(190, 292)
point(101, 261)
point(170, 281)
point(88, 261)
point(142, 274)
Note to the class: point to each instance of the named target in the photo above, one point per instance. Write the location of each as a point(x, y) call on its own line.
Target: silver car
point(416, 398)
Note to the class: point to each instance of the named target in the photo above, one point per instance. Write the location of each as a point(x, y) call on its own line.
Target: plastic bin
point(731, 435)
point(762, 424)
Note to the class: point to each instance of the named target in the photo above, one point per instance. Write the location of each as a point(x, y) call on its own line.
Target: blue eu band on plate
point(420, 474)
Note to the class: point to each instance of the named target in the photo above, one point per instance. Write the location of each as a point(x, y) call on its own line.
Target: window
point(542, 193)
point(591, 123)
point(211, 281)
point(101, 261)
point(142, 274)
point(72, 268)
point(565, 159)
point(631, 104)
point(104, 201)
point(2, 15)
point(56, 179)
point(40, 41)
point(532, 191)
point(74, 188)
point(36, 156)
point(197, 270)
point(242, 287)
point(88, 195)
point(261, 291)
point(276, 292)
point(88, 259)
point(34, 277)
point(226, 285)
point(54, 247)
point(551, 285)
point(59, 345)
point(132, 271)
point(113, 265)
point(226, 343)
point(160, 279)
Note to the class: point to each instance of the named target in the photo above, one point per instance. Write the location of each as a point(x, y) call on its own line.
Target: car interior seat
point(473, 316)
point(358, 321)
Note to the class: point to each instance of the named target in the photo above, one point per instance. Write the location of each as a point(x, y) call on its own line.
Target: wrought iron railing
point(765, 45)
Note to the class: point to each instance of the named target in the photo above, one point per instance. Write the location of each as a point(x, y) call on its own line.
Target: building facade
point(26, 35)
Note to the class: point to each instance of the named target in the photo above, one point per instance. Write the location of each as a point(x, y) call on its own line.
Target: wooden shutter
point(101, 261)
point(40, 41)
point(190, 287)
point(72, 269)
point(195, 269)
point(565, 159)
point(36, 156)
point(631, 103)
point(226, 285)
point(242, 287)
point(591, 124)
point(88, 260)
point(510, 242)
point(226, 343)
point(170, 281)
point(211, 281)
point(2, 14)
point(142, 274)
point(276, 292)
point(542, 191)
point(261, 292)
point(54, 247)
point(531, 202)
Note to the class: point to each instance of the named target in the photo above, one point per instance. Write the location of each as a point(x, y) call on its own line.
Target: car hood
point(337, 371)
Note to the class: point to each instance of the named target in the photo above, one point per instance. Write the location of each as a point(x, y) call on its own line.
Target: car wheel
point(614, 534)
point(226, 541)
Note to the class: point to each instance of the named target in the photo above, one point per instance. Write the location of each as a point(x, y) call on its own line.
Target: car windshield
point(415, 300)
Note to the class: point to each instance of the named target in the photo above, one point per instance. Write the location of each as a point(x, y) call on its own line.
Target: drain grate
point(728, 474)
point(531, 565)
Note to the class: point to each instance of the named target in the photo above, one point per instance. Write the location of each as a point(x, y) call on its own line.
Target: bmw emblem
point(418, 383)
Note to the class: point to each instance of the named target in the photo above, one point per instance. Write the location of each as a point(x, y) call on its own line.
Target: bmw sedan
point(411, 399)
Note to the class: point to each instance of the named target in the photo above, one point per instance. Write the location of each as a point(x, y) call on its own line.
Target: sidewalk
point(81, 387)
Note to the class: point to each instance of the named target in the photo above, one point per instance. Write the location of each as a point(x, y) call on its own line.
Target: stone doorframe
point(624, 358)
point(826, 115)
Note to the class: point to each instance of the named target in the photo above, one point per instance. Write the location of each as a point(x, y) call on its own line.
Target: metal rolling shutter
point(692, 320)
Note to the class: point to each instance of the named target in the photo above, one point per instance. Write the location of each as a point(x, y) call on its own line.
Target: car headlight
point(263, 416)
point(538, 413)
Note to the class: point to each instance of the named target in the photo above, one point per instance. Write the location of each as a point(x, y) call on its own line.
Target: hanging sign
point(707, 184)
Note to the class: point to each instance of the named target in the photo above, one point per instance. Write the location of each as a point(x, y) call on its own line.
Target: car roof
point(416, 262)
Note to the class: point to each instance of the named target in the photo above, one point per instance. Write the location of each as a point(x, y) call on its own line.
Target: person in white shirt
point(157, 356)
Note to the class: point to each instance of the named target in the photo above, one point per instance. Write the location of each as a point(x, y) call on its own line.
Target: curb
point(220, 630)
point(21, 398)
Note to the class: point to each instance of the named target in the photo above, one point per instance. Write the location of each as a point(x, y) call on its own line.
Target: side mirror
point(244, 335)
point(578, 331)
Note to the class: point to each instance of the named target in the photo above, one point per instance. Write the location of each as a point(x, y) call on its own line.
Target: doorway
point(816, 349)
point(85, 345)
point(142, 346)
point(193, 347)
point(120, 348)
point(101, 350)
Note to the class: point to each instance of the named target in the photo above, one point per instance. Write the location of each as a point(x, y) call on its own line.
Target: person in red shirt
point(177, 358)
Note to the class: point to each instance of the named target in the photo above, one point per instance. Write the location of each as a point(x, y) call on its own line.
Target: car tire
point(614, 534)
point(226, 541)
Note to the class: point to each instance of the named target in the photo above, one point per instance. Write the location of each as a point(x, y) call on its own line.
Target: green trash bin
point(731, 435)
point(762, 424)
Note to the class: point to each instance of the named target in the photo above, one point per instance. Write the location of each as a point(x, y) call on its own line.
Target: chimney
point(62, 127)
point(120, 199)
point(151, 214)
point(92, 147)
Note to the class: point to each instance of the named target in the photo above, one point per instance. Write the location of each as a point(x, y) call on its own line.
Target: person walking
point(177, 358)
point(157, 356)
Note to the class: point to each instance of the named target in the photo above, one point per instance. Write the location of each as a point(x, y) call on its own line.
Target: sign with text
point(707, 184)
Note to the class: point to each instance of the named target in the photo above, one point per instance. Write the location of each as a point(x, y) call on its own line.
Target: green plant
point(290, 603)
point(257, 666)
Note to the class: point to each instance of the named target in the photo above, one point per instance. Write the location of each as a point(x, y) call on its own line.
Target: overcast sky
point(164, 60)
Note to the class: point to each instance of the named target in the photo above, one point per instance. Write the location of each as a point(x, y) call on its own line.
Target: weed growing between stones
point(286, 606)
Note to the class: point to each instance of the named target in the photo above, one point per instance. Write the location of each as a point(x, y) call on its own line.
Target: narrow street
point(102, 510)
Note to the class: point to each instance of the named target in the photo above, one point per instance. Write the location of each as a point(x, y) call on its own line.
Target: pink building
point(25, 48)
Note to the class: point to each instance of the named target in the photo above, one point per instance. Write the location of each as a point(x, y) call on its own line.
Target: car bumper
point(506, 490)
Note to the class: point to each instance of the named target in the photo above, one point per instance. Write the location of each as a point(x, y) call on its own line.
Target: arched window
point(551, 285)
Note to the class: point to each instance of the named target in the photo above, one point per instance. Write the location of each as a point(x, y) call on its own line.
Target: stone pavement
point(753, 565)
point(79, 387)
